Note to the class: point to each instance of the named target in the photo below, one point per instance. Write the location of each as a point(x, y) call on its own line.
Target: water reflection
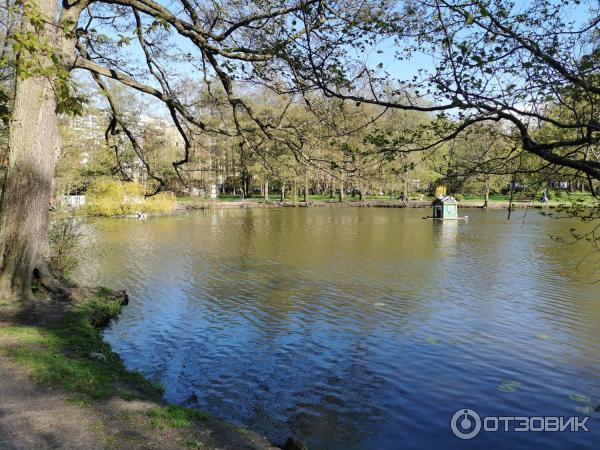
point(354, 328)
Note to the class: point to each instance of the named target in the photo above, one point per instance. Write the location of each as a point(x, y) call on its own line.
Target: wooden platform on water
point(439, 218)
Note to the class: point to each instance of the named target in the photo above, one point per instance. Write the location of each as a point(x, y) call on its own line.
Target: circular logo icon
point(465, 424)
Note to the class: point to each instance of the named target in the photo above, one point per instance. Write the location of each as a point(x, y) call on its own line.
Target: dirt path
point(33, 416)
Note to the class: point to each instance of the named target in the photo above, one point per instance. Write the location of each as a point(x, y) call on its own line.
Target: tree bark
point(295, 193)
point(487, 193)
point(33, 150)
point(306, 187)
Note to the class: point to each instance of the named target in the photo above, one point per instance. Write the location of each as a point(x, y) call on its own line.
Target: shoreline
point(66, 387)
point(468, 204)
point(181, 206)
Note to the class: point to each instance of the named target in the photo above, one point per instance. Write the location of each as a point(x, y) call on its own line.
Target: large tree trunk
point(33, 151)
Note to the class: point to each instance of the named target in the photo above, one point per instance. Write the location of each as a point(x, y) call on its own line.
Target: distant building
point(89, 128)
point(73, 201)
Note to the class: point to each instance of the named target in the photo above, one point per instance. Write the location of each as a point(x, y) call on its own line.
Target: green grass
point(576, 198)
point(564, 197)
point(274, 197)
point(67, 354)
point(191, 443)
point(356, 198)
point(174, 416)
point(496, 197)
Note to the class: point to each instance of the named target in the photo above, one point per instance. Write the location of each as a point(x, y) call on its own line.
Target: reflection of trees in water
point(296, 260)
point(290, 296)
point(568, 291)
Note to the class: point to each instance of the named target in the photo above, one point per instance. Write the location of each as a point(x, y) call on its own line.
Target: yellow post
point(440, 191)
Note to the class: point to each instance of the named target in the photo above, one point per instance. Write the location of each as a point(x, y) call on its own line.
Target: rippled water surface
point(358, 328)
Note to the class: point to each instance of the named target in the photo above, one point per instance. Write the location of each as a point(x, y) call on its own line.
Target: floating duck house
point(445, 208)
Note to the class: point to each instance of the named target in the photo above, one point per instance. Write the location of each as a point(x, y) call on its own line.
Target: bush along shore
point(63, 387)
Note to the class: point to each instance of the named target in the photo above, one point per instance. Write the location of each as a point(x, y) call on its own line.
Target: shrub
point(65, 246)
point(102, 310)
point(108, 197)
point(159, 203)
point(458, 197)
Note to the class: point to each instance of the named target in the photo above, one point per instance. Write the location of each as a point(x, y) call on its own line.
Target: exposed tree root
point(51, 284)
point(46, 300)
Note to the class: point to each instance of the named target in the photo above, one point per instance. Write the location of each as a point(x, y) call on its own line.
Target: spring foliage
point(108, 197)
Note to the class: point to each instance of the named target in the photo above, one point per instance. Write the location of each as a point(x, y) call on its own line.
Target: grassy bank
point(425, 202)
point(274, 198)
point(519, 197)
point(62, 348)
point(71, 354)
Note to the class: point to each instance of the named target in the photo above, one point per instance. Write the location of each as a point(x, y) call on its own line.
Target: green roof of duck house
point(445, 208)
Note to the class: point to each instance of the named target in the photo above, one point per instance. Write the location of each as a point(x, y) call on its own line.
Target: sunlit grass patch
point(174, 416)
point(22, 333)
point(190, 443)
point(72, 355)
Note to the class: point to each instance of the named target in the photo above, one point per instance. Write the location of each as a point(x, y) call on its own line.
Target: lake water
point(359, 328)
